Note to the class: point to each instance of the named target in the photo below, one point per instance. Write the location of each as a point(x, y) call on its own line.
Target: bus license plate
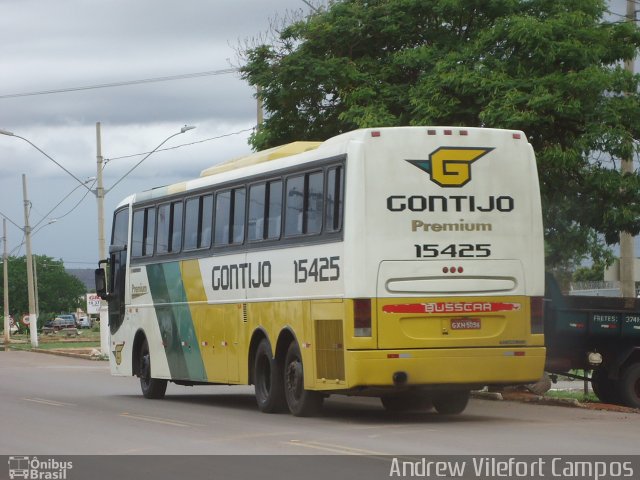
point(466, 324)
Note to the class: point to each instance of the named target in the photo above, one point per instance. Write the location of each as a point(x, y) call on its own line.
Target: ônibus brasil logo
point(451, 166)
point(32, 468)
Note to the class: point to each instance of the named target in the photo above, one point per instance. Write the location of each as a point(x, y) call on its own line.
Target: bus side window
point(222, 217)
point(137, 235)
point(143, 234)
point(273, 214)
point(169, 236)
point(176, 227)
point(305, 197)
point(164, 227)
point(198, 216)
point(191, 220)
point(313, 201)
point(255, 224)
point(333, 213)
point(238, 207)
point(206, 220)
point(295, 206)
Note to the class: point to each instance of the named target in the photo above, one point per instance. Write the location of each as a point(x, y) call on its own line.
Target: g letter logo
point(451, 166)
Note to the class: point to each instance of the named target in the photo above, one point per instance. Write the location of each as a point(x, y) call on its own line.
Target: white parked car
point(85, 322)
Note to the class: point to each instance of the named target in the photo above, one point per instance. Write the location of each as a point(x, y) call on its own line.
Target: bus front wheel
point(268, 380)
point(154, 388)
point(301, 402)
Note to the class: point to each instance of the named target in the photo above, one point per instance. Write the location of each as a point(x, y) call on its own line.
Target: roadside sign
point(93, 303)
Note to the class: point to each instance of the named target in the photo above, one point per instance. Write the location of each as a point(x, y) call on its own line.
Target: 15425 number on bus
point(323, 269)
point(453, 250)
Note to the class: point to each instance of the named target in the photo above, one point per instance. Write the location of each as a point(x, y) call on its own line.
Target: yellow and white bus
point(404, 263)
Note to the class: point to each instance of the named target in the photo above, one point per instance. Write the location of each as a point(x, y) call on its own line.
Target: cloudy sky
point(47, 45)
point(64, 44)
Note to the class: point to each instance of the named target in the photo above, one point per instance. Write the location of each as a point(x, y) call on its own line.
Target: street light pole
point(33, 319)
point(100, 192)
point(102, 252)
point(100, 195)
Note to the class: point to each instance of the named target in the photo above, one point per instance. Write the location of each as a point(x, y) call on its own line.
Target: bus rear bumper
point(461, 366)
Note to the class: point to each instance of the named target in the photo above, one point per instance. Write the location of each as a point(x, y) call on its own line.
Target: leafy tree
point(549, 67)
point(58, 291)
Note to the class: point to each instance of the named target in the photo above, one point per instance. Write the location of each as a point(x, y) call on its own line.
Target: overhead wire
point(122, 83)
point(181, 145)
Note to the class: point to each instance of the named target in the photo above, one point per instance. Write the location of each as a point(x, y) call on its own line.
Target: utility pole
point(5, 267)
point(102, 254)
point(260, 111)
point(627, 254)
point(35, 284)
point(33, 318)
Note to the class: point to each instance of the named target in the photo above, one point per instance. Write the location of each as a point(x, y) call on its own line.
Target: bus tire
point(406, 402)
point(268, 380)
point(629, 386)
point(604, 388)
point(153, 388)
point(301, 402)
point(451, 403)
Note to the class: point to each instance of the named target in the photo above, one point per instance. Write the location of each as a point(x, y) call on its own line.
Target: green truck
point(597, 334)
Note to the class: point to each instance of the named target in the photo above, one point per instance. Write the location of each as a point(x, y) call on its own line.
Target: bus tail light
point(537, 315)
point(362, 317)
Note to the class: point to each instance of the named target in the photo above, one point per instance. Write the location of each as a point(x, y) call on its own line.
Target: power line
point(123, 83)
point(181, 145)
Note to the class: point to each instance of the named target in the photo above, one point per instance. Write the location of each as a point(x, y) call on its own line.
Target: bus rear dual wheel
point(279, 388)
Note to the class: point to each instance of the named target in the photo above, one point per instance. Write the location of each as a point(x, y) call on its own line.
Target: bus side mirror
point(101, 281)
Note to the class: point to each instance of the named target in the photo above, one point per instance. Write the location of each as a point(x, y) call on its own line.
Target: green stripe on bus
point(175, 322)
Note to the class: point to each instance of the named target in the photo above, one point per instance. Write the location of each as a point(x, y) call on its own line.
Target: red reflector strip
point(514, 354)
point(517, 136)
point(576, 325)
point(431, 132)
point(464, 133)
point(448, 132)
point(398, 355)
point(452, 307)
point(375, 133)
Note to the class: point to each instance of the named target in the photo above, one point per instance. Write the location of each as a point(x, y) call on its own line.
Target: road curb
point(84, 356)
point(525, 397)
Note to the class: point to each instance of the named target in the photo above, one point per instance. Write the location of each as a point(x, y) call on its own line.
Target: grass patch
point(573, 394)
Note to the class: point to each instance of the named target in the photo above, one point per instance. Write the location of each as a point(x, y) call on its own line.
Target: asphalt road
point(65, 406)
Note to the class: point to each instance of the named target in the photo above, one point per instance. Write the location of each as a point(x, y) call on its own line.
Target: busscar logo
point(451, 166)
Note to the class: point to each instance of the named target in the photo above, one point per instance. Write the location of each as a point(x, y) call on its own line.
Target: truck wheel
point(268, 380)
point(629, 386)
point(301, 402)
point(154, 388)
point(451, 403)
point(604, 388)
